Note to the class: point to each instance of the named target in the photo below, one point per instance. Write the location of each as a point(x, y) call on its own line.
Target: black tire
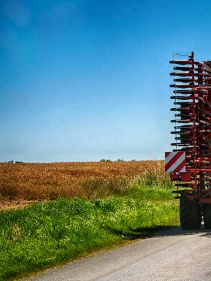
point(190, 213)
point(207, 216)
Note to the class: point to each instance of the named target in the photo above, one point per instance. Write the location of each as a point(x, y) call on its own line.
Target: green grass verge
point(47, 234)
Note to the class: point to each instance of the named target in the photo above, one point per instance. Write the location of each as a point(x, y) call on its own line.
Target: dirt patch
point(15, 204)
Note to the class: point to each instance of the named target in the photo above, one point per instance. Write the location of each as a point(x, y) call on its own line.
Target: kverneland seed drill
point(189, 165)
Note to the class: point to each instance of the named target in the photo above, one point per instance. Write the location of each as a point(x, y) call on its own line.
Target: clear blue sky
point(84, 80)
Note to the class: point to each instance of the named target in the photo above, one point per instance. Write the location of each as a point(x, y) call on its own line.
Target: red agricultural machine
point(189, 165)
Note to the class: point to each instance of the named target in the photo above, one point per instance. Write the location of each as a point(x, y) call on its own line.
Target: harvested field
point(29, 181)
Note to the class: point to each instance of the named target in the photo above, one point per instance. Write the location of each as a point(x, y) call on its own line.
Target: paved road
point(172, 255)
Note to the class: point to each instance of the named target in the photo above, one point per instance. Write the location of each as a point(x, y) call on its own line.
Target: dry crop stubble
point(36, 181)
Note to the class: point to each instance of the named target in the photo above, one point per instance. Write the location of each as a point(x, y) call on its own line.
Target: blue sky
point(86, 80)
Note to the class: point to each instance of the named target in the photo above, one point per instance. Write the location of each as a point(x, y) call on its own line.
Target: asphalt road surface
point(171, 254)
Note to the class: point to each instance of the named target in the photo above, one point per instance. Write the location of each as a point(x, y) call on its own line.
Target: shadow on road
point(138, 233)
point(177, 230)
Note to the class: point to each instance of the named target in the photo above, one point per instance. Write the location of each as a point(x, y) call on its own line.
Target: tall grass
point(45, 234)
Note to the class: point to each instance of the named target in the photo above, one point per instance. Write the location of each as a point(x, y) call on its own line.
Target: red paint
point(192, 109)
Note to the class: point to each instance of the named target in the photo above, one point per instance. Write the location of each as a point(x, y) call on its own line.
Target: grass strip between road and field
point(45, 234)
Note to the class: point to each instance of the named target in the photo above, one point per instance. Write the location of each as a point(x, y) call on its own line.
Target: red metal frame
point(192, 130)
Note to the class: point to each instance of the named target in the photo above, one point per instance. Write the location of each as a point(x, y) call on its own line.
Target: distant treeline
point(12, 161)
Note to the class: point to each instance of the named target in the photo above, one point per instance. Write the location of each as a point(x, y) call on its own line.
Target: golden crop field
point(30, 181)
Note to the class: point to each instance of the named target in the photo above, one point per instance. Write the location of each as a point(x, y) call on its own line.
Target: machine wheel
point(207, 216)
point(190, 213)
